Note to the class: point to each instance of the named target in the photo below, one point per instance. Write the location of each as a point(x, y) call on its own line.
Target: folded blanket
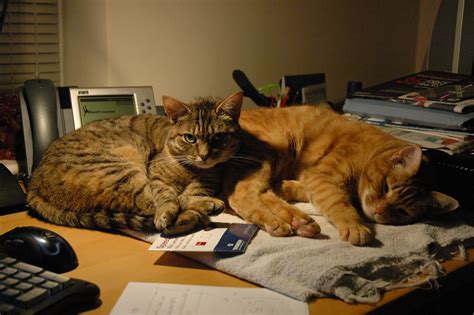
point(310, 268)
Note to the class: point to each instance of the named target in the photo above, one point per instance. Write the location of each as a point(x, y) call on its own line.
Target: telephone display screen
point(94, 108)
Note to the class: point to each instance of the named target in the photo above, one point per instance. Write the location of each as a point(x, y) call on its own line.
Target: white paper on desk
point(231, 239)
point(177, 299)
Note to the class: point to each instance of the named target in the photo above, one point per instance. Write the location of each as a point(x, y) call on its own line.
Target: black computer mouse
point(39, 247)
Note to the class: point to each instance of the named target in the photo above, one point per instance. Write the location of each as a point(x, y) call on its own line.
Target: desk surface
point(111, 261)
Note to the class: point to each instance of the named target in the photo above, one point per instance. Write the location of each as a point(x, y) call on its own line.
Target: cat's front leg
point(292, 190)
point(197, 196)
point(196, 205)
point(166, 203)
point(327, 194)
point(347, 222)
point(302, 224)
point(251, 197)
point(166, 213)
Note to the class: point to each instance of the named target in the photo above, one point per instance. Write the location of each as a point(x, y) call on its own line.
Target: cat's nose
point(380, 207)
point(203, 151)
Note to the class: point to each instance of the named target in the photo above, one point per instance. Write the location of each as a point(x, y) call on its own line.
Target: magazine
point(450, 142)
point(433, 89)
point(427, 140)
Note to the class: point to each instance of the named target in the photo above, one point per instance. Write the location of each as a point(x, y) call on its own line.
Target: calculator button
point(7, 309)
point(22, 275)
point(27, 267)
point(8, 271)
point(8, 294)
point(56, 278)
point(23, 286)
point(9, 281)
point(54, 287)
point(36, 280)
point(7, 260)
point(32, 297)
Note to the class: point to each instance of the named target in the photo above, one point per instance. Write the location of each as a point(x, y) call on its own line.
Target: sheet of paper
point(233, 238)
point(176, 299)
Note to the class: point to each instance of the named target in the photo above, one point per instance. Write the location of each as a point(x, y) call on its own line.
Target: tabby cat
point(143, 172)
point(343, 167)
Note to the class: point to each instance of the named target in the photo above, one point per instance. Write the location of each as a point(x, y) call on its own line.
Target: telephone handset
point(40, 112)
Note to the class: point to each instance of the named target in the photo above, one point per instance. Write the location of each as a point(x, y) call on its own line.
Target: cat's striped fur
point(144, 172)
point(349, 170)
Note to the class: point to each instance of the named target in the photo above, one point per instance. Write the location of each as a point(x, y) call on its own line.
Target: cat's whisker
point(184, 163)
point(183, 160)
point(167, 159)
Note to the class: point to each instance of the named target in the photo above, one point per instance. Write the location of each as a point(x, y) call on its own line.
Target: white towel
point(328, 267)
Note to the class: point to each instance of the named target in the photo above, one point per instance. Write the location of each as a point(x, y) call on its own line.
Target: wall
point(188, 48)
point(426, 21)
point(84, 43)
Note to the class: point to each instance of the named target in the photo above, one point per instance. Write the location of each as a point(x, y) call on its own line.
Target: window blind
point(29, 43)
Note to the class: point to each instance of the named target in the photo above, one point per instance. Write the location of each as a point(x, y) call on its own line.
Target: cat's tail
point(97, 219)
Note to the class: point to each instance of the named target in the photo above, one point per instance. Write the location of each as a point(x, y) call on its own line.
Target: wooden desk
point(111, 261)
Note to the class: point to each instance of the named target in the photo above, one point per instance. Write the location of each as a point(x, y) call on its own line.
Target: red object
point(10, 125)
point(7, 154)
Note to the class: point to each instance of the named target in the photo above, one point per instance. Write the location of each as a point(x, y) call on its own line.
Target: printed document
point(233, 238)
point(159, 299)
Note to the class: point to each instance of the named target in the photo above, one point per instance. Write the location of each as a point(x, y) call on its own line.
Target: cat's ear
point(441, 203)
point(174, 108)
point(409, 158)
point(231, 106)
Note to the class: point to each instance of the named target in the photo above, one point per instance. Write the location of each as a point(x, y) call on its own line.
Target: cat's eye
point(219, 137)
point(384, 188)
point(189, 138)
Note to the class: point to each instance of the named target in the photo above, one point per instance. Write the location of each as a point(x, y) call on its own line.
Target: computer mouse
point(39, 247)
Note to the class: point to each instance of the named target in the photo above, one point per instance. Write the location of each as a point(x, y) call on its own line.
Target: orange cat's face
point(392, 192)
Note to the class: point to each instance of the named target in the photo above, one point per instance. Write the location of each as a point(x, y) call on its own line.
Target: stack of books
point(432, 108)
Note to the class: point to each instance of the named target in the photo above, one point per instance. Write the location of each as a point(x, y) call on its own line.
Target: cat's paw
point(278, 229)
point(210, 206)
point(166, 215)
point(187, 222)
point(203, 204)
point(306, 227)
point(356, 234)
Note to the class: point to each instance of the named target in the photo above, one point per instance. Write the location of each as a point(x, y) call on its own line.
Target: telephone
point(38, 101)
point(49, 113)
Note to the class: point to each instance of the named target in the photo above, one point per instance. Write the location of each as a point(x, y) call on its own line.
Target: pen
point(284, 97)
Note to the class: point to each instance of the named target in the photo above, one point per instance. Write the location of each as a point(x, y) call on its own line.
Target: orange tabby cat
point(349, 170)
